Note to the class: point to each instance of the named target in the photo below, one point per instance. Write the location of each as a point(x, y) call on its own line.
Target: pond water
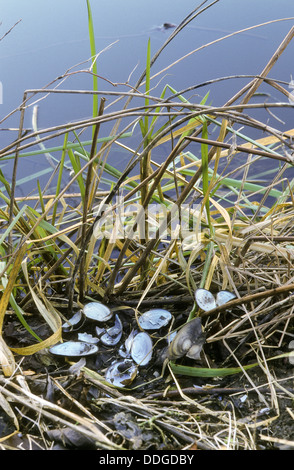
point(52, 37)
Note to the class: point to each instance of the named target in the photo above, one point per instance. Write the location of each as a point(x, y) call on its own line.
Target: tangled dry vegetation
point(52, 263)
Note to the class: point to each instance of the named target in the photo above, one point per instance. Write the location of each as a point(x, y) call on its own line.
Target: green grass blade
point(70, 145)
point(29, 178)
point(94, 62)
point(41, 199)
point(19, 312)
point(75, 161)
point(20, 315)
point(219, 372)
point(13, 223)
point(59, 179)
point(205, 173)
point(147, 84)
point(207, 372)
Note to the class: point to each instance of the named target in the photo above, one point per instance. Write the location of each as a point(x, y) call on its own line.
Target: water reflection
point(49, 41)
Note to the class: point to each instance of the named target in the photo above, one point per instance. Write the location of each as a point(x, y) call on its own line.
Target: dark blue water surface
point(52, 37)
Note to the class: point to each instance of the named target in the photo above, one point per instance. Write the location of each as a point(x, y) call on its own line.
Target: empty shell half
point(125, 349)
point(121, 373)
point(74, 323)
point(188, 341)
point(206, 300)
point(141, 349)
point(73, 349)
point(224, 296)
point(97, 312)
point(113, 335)
point(154, 319)
point(87, 338)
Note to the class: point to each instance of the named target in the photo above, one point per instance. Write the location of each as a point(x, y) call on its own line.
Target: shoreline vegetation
point(221, 219)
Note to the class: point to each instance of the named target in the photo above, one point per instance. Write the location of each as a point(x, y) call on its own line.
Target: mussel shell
point(97, 311)
point(125, 349)
point(171, 336)
point(129, 341)
point(73, 349)
point(121, 373)
point(141, 349)
point(154, 319)
point(188, 341)
point(74, 323)
point(205, 299)
point(88, 338)
point(112, 335)
point(100, 331)
point(224, 296)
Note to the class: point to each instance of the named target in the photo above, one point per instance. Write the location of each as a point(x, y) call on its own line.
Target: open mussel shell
point(73, 349)
point(125, 349)
point(188, 341)
point(74, 323)
point(112, 335)
point(121, 373)
point(97, 312)
point(154, 319)
point(206, 301)
point(138, 346)
point(224, 296)
point(141, 349)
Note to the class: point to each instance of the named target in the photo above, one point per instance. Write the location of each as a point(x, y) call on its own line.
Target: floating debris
point(169, 25)
point(154, 319)
point(206, 300)
point(164, 26)
point(97, 311)
point(188, 341)
point(121, 373)
point(73, 349)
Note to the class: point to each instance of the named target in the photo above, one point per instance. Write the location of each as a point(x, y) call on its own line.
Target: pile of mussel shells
point(136, 351)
